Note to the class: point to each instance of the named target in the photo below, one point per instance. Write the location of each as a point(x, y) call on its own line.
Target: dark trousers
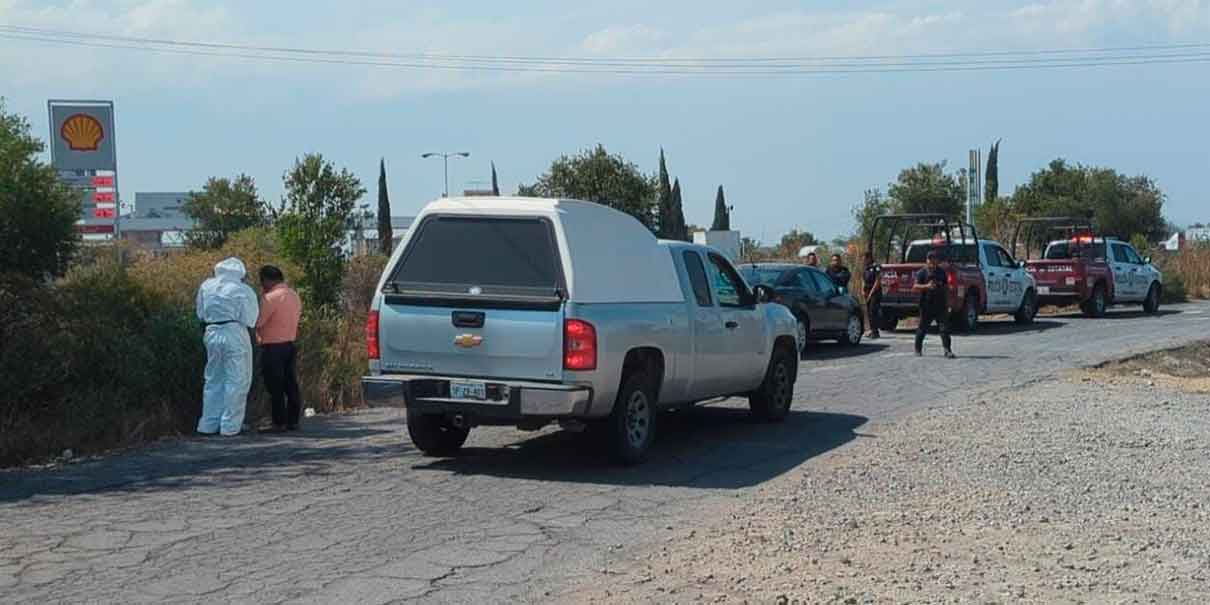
point(873, 314)
point(281, 378)
point(928, 315)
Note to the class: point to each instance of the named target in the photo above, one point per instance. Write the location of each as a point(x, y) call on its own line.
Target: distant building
point(365, 240)
point(1197, 234)
point(158, 220)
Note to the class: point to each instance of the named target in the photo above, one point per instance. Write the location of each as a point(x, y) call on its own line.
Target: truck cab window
point(993, 255)
point(697, 278)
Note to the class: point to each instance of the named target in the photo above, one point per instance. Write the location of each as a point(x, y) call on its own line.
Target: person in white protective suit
point(228, 308)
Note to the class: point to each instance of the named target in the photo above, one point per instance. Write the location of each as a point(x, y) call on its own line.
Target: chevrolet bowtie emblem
point(467, 341)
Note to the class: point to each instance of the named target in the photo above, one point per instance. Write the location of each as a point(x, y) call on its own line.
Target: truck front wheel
point(1151, 304)
point(772, 400)
point(435, 436)
point(633, 421)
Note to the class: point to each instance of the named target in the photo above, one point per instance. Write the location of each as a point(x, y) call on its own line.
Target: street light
point(445, 161)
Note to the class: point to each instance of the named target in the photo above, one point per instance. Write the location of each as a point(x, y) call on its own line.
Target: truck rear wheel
point(1095, 305)
point(889, 321)
point(968, 318)
point(771, 401)
point(633, 421)
point(434, 435)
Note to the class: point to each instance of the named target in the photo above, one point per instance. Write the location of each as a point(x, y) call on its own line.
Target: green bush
point(95, 362)
point(1174, 288)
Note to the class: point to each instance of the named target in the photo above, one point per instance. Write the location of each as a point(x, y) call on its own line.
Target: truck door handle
point(731, 325)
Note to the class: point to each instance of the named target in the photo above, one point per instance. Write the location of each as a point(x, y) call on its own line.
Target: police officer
point(872, 294)
point(839, 274)
point(930, 283)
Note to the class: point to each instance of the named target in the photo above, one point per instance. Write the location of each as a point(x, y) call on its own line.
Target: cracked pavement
point(347, 511)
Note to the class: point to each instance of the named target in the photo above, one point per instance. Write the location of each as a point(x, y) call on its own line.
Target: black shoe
point(875, 335)
point(950, 355)
point(277, 428)
point(919, 353)
point(291, 427)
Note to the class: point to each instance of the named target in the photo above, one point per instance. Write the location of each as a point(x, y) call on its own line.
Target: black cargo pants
point(928, 315)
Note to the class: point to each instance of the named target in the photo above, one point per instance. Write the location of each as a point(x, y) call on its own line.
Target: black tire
point(804, 334)
point(1029, 308)
point(888, 322)
point(849, 337)
point(434, 436)
point(771, 401)
point(1151, 304)
point(1096, 304)
point(967, 319)
point(632, 425)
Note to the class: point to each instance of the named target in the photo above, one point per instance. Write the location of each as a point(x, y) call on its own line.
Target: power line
point(971, 61)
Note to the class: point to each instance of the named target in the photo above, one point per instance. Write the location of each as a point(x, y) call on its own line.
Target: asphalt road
point(347, 511)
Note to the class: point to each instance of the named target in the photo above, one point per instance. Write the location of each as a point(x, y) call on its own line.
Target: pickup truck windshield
point(456, 253)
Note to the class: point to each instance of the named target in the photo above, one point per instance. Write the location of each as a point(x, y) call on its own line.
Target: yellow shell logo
point(82, 132)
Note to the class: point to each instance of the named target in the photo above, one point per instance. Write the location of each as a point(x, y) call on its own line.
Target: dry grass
point(1191, 267)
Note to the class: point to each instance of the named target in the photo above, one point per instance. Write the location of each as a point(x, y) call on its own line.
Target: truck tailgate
point(517, 344)
point(897, 281)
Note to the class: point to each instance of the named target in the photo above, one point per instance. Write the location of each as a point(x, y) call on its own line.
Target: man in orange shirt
point(276, 330)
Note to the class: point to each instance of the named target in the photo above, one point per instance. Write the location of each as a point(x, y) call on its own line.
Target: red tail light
point(951, 278)
point(372, 350)
point(579, 345)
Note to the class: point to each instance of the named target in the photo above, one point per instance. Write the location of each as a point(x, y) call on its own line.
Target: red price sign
point(103, 196)
point(103, 212)
point(102, 181)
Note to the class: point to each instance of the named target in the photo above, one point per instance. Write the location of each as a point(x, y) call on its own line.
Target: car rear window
point(765, 277)
point(503, 254)
point(1063, 250)
point(962, 253)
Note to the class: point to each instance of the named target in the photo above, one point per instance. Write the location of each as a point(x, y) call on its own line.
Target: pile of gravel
point(1071, 490)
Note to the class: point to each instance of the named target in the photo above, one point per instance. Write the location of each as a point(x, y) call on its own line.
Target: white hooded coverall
point(228, 308)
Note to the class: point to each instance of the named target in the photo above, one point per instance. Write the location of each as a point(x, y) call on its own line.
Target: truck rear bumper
point(516, 399)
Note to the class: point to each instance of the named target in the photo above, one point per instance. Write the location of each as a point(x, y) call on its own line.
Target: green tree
point(223, 208)
point(495, 183)
point(319, 203)
point(926, 188)
point(38, 213)
point(679, 229)
point(722, 214)
point(991, 188)
point(665, 220)
point(997, 219)
point(794, 241)
point(596, 176)
point(386, 234)
point(1118, 205)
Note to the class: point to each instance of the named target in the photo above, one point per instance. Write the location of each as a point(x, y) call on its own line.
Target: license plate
point(465, 389)
point(1043, 289)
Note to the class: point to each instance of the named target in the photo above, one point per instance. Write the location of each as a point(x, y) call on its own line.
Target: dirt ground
point(1088, 488)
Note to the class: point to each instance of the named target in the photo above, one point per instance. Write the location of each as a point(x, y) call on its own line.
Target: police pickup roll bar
point(1040, 230)
point(940, 225)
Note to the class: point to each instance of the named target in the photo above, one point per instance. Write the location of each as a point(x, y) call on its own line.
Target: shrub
point(1190, 266)
point(98, 362)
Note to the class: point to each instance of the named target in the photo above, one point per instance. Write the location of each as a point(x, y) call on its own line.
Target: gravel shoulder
point(1089, 487)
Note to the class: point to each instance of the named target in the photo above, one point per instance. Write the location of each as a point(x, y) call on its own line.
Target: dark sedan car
point(822, 309)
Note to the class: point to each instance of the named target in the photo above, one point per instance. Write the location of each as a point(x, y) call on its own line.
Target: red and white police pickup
point(1085, 269)
point(982, 276)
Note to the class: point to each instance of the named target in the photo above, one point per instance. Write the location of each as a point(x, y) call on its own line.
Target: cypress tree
point(495, 183)
point(680, 229)
point(991, 189)
point(385, 234)
point(722, 216)
point(664, 197)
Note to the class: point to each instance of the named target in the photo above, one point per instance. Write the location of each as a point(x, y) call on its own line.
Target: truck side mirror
point(763, 293)
point(1146, 260)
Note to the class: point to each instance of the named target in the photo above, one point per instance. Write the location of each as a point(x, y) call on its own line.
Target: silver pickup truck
point(524, 312)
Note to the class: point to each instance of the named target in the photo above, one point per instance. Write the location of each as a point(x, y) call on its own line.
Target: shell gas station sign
point(84, 152)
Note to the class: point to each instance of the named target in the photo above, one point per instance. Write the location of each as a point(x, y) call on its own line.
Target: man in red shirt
point(276, 331)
